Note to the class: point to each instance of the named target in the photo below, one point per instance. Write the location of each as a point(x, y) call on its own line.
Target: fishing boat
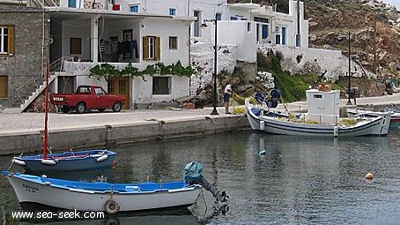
point(363, 112)
point(322, 119)
point(43, 193)
point(66, 161)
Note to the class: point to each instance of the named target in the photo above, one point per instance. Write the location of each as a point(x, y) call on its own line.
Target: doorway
point(120, 86)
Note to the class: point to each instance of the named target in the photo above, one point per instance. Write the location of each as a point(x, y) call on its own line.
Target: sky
point(393, 2)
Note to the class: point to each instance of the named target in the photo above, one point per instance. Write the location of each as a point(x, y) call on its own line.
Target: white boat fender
point(48, 161)
point(111, 206)
point(102, 158)
point(262, 125)
point(19, 162)
point(335, 131)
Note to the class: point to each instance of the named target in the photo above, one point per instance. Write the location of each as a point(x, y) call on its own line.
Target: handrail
point(56, 66)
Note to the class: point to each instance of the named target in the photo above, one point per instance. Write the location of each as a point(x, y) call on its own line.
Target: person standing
point(227, 96)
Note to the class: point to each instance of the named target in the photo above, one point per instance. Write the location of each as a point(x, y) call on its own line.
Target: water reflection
point(297, 181)
point(127, 220)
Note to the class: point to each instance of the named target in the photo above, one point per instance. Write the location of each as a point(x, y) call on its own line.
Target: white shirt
point(228, 89)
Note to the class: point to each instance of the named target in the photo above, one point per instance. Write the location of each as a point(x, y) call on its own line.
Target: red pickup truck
point(87, 97)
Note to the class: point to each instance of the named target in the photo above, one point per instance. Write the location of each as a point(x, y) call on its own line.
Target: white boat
point(360, 112)
point(322, 119)
point(43, 193)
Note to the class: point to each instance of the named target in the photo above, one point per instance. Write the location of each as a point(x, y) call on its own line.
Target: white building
point(144, 32)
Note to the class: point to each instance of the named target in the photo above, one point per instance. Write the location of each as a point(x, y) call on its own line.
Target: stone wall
point(24, 67)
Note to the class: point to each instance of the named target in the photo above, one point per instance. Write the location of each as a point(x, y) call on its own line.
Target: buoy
point(19, 162)
point(111, 206)
point(102, 158)
point(262, 152)
point(369, 176)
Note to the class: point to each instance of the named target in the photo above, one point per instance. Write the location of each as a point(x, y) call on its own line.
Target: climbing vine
point(107, 70)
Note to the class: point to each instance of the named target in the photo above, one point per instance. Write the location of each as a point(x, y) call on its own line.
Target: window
point(75, 46)
point(72, 3)
point(234, 18)
point(264, 31)
point(3, 86)
point(134, 8)
point(161, 85)
point(261, 20)
point(7, 40)
point(84, 90)
point(173, 42)
point(172, 11)
point(218, 16)
point(283, 35)
point(127, 35)
point(151, 48)
point(196, 24)
point(99, 91)
point(248, 27)
point(277, 36)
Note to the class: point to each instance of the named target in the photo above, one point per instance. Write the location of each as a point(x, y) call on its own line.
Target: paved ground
point(11, 121)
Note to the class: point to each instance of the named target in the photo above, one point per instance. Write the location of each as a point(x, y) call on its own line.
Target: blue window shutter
point(283, 35)
point(134, 8)
point(264, 31)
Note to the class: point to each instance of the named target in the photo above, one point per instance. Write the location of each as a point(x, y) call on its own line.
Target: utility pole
point(298, 24)
point(374, 66)
point(349, 87)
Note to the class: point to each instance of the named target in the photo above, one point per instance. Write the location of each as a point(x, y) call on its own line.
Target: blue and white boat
point(322, 119)
point(66, 161)
point(43, 193)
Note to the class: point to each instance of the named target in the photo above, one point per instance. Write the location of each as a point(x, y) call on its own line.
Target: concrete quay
point(20, 132)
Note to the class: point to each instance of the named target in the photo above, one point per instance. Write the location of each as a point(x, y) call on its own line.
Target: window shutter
point(11, 40)
point(145, 48)
point(157, 48)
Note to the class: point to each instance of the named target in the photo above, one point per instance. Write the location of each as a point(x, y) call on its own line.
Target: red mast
point(46, 110)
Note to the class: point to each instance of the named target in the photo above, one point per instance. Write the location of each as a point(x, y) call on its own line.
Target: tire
point(65, 109)
point(117, 107)
point(111, 207)
point(81, 107)
point(101, 110)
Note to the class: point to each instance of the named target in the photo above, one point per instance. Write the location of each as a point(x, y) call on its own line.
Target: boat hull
point(67, 161)
point(394, 120)
point(376, 126)
point(46, 193)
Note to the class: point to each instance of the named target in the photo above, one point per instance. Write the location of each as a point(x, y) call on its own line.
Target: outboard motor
point(194, 175)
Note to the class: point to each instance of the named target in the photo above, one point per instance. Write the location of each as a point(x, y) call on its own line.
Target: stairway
point(38, 91)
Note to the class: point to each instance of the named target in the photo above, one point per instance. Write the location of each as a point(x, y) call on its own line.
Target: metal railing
point(56, 66)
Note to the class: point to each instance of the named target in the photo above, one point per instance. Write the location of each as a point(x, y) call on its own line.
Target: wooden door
point(120, 86)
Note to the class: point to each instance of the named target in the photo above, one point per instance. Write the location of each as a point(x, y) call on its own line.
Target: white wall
point(235, 33)
point(143, 88)
point(164, 28)
point(76, 29)
point(321, 60)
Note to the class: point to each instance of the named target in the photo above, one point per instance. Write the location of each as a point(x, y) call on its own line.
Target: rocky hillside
point(331, 21)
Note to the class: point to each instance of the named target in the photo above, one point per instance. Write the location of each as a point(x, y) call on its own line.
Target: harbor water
point(297, 180)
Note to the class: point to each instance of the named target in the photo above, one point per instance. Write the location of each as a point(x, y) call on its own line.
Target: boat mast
point(46, 110)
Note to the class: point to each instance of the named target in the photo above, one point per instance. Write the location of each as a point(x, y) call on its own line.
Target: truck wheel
point(81, 107)
point(117, 107)
point(65, 109)
point(101, 110)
